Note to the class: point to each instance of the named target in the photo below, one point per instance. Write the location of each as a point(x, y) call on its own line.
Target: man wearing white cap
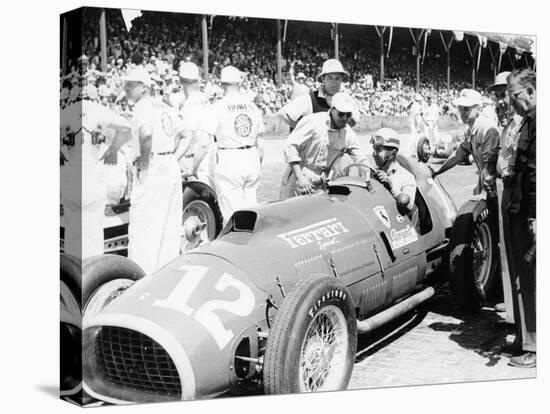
point(299, 88)
point(481, 141)
point(83, 188)
point(193, 147)
point(315, 144)
point(332, 75)
point(155, 222)
point(399, 181)
point(416, 121)
point(237, 125)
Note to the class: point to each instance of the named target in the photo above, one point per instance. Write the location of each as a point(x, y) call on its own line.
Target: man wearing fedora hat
point(237, 125)
point(315, 144)
point(155, 222)
point(331, 77)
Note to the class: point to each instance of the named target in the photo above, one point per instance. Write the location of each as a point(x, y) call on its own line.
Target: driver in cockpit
point(400, 182)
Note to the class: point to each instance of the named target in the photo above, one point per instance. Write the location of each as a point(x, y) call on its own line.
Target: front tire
point(311, 346)
point(474, 256)
point(104, 278)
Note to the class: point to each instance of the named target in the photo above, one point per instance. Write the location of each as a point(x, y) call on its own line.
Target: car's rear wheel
point(311, 346)
point(200, 205)
point(423, 149)
point(473, 255)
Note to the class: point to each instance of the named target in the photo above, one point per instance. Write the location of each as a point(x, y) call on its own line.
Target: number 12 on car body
point(205, 313)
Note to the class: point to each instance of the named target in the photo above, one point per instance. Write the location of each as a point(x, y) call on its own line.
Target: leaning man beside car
point(317, 142)
point(481, 141)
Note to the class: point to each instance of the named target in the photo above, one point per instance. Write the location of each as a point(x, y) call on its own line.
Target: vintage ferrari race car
point(279, 296)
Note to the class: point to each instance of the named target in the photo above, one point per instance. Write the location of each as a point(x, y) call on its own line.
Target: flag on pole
point(482, 40)
point(459, 36)
point(389, 43)
point(284, 30)
point(426, 33)
point(128, 15)
point(502, 48)
point(332, 30)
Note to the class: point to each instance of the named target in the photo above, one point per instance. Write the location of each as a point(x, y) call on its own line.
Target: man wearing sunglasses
point(316, 143)
point(400, 182)
point(481, 141)
point(522, 213)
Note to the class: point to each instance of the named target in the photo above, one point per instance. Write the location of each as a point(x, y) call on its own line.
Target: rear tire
point(315, 328)
point(423, 149)
point(473, 256)
point(200, 200)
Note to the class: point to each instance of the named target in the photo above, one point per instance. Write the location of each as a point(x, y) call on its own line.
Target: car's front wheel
point(104, 278)
point(473, 255)
point(311, 346)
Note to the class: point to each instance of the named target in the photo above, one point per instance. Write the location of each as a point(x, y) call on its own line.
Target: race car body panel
point(195, 309)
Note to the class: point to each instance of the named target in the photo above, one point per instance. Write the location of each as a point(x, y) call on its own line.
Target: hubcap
point(105, 295)
point(323, 353)
point(201, 211)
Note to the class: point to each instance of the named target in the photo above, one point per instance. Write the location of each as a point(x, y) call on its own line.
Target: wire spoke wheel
point(324, 349)
point(482, 252)
point(311, 345)
point(473, 258)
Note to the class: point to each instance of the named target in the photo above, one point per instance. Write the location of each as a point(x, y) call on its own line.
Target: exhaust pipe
point(370, 324)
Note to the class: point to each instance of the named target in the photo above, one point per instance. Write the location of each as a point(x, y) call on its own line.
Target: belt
point(238, 148)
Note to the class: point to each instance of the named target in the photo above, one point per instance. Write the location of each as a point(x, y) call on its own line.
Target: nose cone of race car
point(172, 335)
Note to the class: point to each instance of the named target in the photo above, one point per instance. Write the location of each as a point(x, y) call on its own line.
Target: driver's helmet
point(386, 137)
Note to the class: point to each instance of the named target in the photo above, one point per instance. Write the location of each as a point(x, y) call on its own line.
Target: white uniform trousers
point(83, 195)
point(155, 228)
point(237, 175)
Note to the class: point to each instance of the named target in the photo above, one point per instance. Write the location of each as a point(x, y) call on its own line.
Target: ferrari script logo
point(324, 233)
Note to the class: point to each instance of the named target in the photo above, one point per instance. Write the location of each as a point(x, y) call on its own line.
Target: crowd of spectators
point(162, 40)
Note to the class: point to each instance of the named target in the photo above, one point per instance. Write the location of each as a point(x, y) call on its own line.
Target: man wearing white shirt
point(194, 150)
point(83, 188)
point(237, 124)
point(315, 144)
point(155, 222)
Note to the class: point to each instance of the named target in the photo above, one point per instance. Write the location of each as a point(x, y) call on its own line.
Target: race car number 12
point(205, 314)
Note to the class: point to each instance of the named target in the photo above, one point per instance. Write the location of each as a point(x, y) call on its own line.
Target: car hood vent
point(242, 221)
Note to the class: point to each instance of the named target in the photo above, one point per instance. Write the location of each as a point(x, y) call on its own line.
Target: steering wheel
point(347, 168)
